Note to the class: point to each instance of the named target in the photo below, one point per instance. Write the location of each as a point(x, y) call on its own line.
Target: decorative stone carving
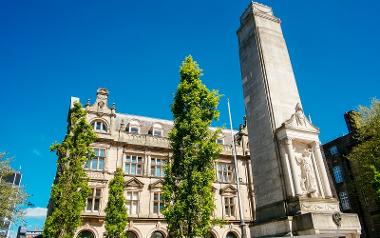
point(299, 121)
point(299, 116)
point(337, 218)
point(134, 183)
point(318, 207)
point(96, 175)
point(157, 185)
point(307, 180)
point(229, 189)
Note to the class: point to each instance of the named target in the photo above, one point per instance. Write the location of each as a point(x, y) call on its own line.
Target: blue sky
point(51, 50)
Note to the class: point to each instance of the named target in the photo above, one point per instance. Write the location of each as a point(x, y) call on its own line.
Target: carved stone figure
point(307, 181)
point(300, 116)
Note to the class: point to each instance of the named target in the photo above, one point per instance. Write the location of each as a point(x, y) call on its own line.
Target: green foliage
point(187, 192)
point(116, 211)
point(11, 197)
point(70, 189)
point(366, 155)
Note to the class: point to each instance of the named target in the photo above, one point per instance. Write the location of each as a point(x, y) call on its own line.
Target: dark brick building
point(351, 197)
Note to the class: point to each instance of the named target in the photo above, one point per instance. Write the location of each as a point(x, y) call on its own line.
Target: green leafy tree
point(187, 192)
point(116, 211)
point(70, 188)
point(366, 154)
point(12, 198)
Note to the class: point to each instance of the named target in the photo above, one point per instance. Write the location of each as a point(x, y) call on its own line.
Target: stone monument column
point(293, 195)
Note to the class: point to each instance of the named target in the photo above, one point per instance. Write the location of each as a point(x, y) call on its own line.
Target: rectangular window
point(157, 132)
point(158, 205)
point(93, 202)
point(132, 202)
point(229, 206)
point(344, 201)
point(97, 163)
point(225, 172)
point(334, 150)
point(134, 130)
point(133, 165)
point(220, 141)
point(338, 174)
point(157, 167)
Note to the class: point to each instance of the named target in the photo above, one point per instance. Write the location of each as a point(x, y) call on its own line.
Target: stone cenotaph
point(292, 187)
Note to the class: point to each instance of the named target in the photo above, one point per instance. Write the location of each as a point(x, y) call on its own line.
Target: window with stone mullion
point(133, 202)
point(96, 163)
point(157, 203)
point(157, 167)
point(134, 165)
point(225, 172)
point(93, 202)
point(229, 206)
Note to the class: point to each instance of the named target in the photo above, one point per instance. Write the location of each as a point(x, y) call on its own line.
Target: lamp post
point(240, 204)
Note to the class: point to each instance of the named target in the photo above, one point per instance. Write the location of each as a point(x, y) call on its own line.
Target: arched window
point(99, 126)
point(231, 235)
point(86, 234)
point(157, 234)
point(134, 127)
point(210, 235)
point(131, 234)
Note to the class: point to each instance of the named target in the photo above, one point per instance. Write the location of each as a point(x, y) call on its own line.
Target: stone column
point(287, 171)
point(318, 176)
point(293, 166)
point(322, 169)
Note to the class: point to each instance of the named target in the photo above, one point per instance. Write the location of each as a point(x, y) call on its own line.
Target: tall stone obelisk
point(293, 193)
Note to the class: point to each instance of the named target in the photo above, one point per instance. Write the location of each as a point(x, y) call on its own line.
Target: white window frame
point(157, 127)
point(98, 157)
point(134, 124)
point(128, 159)
point(94, 197)
point(220, 141)
point(130, 201)
point(157, 202)
point(155, 130)
point(103, 126)
point(154, 166)
point(225, 172)
point(229, 207)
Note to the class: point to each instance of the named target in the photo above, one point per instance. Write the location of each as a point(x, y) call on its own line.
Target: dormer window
point(134, 127)
point(220, 141)
point(157, 130)
point(99, 126)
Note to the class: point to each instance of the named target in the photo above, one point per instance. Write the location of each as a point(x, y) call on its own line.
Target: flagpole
point(242, 223)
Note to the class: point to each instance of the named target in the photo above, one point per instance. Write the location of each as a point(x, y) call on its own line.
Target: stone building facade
point(140, 146)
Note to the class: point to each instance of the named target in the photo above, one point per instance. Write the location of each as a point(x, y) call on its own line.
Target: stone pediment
point(157, 185)
point(229, 189)
point(134, 183)
point(298, 121)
